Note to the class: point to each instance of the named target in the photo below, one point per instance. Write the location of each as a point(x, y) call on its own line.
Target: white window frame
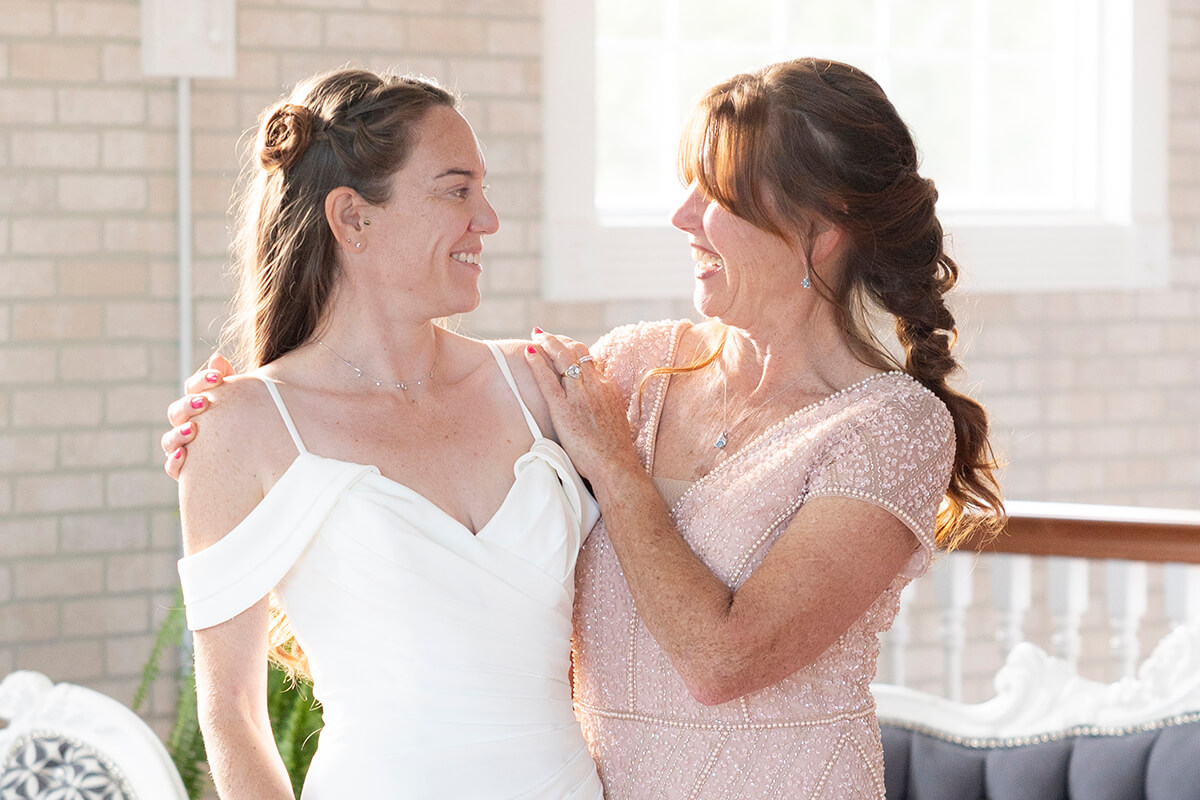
point(1126, 247)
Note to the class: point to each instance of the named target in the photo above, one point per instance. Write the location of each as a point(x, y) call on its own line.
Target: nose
point(687, 217)
point(486, 220)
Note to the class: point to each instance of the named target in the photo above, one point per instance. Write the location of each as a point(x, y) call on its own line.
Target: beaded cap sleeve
point(896, 453)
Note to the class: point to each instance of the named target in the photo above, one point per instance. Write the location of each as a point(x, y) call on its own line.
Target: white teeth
point(708, 259)
point(466, 258)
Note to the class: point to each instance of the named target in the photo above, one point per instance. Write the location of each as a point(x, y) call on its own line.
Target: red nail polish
point(211, 376)
point(197, 402)
point(538, 330)
point(186, 430)
point(531, 349)
point(178, 454)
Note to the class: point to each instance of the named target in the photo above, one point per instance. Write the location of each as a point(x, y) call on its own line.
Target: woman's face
point(742, 272)
point(427, 239)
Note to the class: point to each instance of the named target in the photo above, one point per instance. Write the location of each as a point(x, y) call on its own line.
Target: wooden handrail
point(1096, 531)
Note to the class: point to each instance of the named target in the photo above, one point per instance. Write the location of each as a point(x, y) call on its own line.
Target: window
point(1042, 121)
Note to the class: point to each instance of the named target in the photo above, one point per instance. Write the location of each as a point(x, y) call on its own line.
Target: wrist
point(618, 477)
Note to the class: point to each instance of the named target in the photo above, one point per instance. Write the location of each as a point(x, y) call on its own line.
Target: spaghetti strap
point(283, 412)
point(533, 426)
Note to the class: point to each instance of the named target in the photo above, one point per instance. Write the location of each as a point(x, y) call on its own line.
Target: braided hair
point(810, 139)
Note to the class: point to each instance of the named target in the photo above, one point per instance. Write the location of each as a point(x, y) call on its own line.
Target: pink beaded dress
point(887, 441)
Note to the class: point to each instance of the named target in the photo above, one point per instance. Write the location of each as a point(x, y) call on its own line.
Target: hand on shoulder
point(514, 356)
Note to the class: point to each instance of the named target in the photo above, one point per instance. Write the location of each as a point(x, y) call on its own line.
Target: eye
point(463, 192)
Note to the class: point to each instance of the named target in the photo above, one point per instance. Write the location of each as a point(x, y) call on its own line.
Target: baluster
point(953, 590)
point(1125, 592)
point(1181, 590)
point(1067, 593)
point(1012, 595)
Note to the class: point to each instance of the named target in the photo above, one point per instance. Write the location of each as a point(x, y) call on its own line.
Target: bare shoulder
point(227, 462)
point(237, 411)
point(514, 356)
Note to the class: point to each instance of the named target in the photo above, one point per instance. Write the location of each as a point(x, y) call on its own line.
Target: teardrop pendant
point(806, 283)
point(721, 440)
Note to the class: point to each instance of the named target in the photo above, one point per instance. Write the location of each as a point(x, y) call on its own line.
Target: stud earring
point(367, 222)
point(357, 245)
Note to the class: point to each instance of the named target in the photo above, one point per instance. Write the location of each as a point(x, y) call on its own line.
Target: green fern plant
point(295, 715)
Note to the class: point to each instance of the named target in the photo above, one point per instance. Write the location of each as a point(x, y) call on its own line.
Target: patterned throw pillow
point(49, 766)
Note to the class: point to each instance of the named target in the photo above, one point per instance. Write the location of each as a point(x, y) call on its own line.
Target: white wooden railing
point(1037, 579)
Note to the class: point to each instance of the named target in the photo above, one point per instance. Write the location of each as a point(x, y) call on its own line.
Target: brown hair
point(350, 128)
point(812, 139)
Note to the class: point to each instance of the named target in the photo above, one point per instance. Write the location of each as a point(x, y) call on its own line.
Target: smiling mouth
point(707, 262)
point(467, 258)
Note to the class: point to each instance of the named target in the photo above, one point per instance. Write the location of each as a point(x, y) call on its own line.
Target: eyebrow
point(457, 171)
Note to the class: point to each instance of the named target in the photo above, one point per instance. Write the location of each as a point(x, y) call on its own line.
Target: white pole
point(186, 324)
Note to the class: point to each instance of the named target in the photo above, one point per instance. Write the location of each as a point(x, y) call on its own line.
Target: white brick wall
point(1095, 397)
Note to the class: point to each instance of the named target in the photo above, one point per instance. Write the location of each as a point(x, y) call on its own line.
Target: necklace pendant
point(721, 440)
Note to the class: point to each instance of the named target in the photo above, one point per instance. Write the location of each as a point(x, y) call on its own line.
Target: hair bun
point(286, 135)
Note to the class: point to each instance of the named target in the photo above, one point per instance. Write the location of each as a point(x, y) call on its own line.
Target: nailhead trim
point(988, 743)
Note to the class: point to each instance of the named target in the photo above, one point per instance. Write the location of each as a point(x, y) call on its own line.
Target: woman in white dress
point(376, 485)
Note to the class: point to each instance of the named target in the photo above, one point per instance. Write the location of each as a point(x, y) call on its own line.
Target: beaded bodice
point(886, 440)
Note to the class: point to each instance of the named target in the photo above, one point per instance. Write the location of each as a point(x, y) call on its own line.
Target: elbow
point(714, 684)
point(228, 717)
point(713, 693)
point(736, 672)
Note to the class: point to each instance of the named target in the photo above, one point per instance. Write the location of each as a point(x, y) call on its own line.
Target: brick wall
point(1094, 396)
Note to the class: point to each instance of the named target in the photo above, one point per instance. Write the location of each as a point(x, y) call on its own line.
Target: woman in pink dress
point(786, 475)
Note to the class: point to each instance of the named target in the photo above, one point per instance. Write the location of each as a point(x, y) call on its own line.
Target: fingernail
point(197, 402)
point(531, 349)
point(178, 454)
point(212, 376)
point(538, 330)
point(186, 430)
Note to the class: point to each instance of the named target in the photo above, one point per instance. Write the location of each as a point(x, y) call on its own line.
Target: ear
point(826, 240)
point(346, 213)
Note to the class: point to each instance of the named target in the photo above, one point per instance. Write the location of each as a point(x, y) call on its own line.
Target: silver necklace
point(726, 428)
point(401, 385)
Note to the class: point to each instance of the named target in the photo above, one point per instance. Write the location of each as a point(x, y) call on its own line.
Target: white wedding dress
point(440, 658)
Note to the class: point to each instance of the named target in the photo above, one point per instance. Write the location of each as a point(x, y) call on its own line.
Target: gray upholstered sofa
point(1051, 735)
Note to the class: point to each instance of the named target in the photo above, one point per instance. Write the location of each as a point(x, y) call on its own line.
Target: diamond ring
point(572, 371)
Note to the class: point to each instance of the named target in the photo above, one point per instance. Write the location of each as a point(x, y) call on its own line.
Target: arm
point(811, 587)
point(219, 490)
point(827, 568)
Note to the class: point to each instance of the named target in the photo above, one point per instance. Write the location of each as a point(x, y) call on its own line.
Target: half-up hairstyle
point(350, 128)
point(809, 140)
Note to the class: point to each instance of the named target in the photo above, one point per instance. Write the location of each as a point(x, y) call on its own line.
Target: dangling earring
point(806, 283)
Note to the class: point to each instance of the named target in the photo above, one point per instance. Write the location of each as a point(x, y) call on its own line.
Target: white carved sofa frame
point(64, 740)
point(1049, 734)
